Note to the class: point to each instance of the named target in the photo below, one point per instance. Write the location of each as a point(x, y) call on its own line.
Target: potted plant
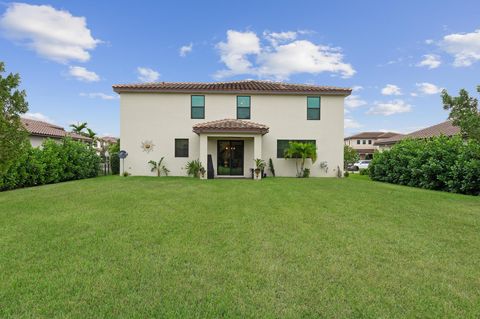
point(259, 166)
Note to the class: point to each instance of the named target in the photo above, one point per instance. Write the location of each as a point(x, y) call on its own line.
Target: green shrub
point(114, 149)
point(441, 163)
point(346, 174)
point(363, 171)
point(195, 168)
point(54, 162)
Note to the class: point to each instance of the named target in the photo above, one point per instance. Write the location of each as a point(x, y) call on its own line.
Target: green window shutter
point(181, 147)
point(282, 145)
point(197, 106)
point(313, 108)
point(243, 107)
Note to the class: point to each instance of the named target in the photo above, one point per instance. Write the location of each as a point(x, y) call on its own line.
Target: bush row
point(54, 162)
point(440, 163)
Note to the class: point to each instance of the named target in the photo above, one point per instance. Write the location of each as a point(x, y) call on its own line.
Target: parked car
point(361, 165)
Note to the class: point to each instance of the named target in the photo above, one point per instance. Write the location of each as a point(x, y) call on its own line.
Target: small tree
point(13, 137)
point(159, 167)
point(79, 127)
point(464, 112)
point(350, 156)
point(300, 152)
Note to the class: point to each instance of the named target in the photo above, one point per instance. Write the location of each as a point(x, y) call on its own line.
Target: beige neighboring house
point(364, 143)
point(445, 128)
point(230, 123)
point(39, 131)
point(102, 143)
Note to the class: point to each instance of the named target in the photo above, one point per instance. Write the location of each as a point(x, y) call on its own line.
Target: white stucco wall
point(162, 117)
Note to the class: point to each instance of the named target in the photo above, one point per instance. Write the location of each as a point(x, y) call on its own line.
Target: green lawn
point(180, 247)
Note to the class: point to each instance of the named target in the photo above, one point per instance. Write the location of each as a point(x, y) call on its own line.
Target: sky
point(396, 55)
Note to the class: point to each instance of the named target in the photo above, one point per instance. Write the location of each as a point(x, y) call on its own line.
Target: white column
point(203, 154)
point(257, 149)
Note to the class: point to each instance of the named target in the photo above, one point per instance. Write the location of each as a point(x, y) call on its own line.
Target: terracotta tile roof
point(44, 129)
point(109, 139)
point(242, 87)
point(372, 135)
point(444, 128)
point(231, 126)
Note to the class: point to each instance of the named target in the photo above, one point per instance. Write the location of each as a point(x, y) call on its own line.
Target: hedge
point(441, 163)
point(54, 162)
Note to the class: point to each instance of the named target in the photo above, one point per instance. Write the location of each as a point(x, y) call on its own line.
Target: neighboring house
point(364, 143)
point(444, 128)
point(102, 143)
point(232, 123)
point(39, 131)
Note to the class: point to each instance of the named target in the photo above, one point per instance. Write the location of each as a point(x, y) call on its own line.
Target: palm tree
point(79, 127)
point(159, 167)
point(301, 151)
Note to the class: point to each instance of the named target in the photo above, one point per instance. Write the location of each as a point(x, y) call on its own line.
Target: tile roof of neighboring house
point(373, 135)
point(365, 150)
point(231, 126)
point(444, 128)
point(44, 129)
point(109, 139)
point(246, 86)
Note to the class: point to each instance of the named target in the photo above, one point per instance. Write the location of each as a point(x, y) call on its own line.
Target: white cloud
point(186, 49)
point(429, 41)
point(234, 53)
point(354, 101)
point(147, 74)
point(99, 95)
point(390, 108)
point(413, 94)
point(357, 88)
point(428, 88)
point(285, 57)
point(391, 89)
point(430, 61)
point(351, 123)
point(38, 116)
point(82, 74)
point(279, 37)
point(465, 47)
point(54, 34)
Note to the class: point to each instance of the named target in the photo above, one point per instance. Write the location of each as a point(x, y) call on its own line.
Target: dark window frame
point(314, 142)
point(177, 151)
point(244, 107)
point(197, 107)
point(319, 108)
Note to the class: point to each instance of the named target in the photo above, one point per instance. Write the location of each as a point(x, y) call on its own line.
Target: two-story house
point(365, 143)
point(226, 125)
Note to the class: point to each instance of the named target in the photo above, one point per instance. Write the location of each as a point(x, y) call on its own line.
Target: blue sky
point(396, 54)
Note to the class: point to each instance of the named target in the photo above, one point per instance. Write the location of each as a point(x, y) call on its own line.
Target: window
point(181, 147)
point(198, 107)
point(313, 108)
point(282, 145)
point(243, 107)
point(358, 141)
point(369, 141)
point(364, 141)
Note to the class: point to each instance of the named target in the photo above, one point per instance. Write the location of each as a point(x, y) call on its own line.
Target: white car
point(361, 165)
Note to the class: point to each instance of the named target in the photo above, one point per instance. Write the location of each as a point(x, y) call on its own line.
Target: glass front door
point(230, 158)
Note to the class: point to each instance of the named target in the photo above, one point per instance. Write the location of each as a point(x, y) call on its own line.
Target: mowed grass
point(178, 247)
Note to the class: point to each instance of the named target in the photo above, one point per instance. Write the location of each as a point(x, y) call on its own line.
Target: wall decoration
point(147, 146)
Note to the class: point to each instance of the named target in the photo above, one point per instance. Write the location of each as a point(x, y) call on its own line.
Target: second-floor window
point(243, 107)
point(313, 108)
point(358, 141)
point(198, 107)
point(369, 141)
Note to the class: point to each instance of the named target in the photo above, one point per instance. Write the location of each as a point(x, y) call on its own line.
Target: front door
point(230, 157)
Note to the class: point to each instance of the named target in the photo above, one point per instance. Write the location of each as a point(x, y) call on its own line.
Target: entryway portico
point(232, 145)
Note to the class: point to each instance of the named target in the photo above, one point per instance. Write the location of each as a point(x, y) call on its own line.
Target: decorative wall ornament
point(147, 146)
